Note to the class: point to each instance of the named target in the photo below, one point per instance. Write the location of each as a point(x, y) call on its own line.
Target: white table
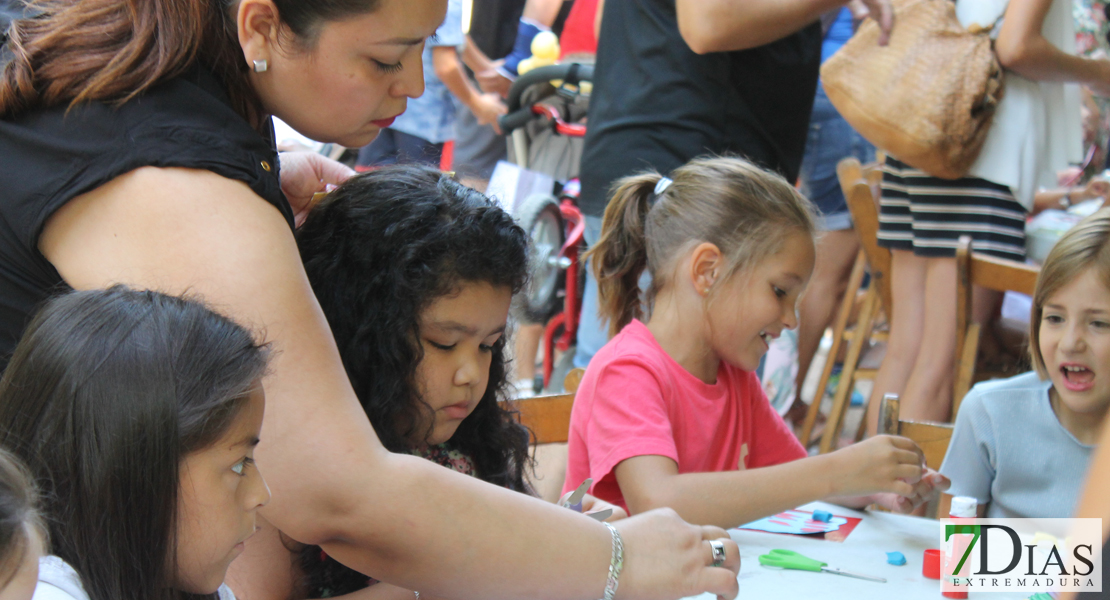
point(864, 551)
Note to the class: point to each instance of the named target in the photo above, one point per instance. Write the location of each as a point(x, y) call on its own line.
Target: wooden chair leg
point(847, 376)
point(965, 368)
point(841, 323)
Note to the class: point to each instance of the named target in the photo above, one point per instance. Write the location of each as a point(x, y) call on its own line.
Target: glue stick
point(963, 509)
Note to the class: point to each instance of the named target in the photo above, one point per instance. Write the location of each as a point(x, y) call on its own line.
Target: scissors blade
point(600, 515)
point(851, 574)
point(575, 499)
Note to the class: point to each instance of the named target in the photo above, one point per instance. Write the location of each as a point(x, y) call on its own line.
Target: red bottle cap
point(930, 564)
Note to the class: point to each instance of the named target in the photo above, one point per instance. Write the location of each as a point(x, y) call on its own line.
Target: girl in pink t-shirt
point(669, 412)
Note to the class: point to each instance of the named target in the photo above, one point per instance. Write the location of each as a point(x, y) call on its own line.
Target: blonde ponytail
point(620, 256)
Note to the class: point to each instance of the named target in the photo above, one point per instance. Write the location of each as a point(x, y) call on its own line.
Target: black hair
point(304, 17)
point(106, 394)
point(19, 516)
point(378, 251)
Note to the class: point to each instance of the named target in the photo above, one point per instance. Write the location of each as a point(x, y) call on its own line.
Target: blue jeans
point(830, 140)
point(592, 331)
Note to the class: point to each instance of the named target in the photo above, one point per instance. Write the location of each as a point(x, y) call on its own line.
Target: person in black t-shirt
point(676, 79)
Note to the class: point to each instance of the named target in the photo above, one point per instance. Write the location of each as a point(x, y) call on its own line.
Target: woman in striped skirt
point(1036, 131)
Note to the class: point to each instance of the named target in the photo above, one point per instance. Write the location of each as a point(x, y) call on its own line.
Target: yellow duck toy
point(545, 51)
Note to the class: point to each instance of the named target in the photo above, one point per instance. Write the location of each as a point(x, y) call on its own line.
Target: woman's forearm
point(1039, 60)
point(1022, 48)
point(726, 25)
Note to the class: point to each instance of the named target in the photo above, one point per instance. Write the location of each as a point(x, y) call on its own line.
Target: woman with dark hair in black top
point(135, 144)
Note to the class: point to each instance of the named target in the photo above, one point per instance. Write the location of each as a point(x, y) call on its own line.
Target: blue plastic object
point(522, 47)
point(857, 398)
point(895, 558)
point(822, 515)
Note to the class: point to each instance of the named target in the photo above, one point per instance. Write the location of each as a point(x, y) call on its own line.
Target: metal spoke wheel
point(539, 215)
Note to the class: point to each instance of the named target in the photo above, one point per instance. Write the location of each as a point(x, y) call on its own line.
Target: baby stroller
point(547, 108)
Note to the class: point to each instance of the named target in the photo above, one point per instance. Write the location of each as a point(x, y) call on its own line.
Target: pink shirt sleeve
point(620, 428)
point(773, 442)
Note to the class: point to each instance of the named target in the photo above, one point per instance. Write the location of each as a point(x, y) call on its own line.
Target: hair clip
point(662, 185)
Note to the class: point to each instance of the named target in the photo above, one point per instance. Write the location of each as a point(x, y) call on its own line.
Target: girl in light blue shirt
point(1021, 446)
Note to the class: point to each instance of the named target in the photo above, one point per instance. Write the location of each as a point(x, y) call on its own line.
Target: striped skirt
point(927, 215)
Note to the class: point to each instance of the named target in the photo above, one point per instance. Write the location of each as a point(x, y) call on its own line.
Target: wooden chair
point(933, 438)
point(549, 416)
point(976, 269)
point(857, 186)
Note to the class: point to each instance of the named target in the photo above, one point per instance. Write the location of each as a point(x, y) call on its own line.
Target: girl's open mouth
point(1077, 378)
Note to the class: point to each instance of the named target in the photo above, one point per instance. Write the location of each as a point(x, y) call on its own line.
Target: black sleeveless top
point(48, 157)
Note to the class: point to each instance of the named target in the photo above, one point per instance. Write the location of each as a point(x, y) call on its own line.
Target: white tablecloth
point(864, 551)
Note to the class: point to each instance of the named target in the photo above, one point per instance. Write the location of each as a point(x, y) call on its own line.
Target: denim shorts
point(830, 140)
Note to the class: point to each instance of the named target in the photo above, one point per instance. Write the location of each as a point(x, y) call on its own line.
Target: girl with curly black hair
point(415, 273)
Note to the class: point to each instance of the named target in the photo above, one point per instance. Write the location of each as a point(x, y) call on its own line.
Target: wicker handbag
point(928, 97)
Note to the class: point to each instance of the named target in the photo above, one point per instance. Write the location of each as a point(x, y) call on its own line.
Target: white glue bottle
point(963, 507)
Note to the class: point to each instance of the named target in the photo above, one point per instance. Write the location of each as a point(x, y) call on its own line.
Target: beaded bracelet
point(615, 565)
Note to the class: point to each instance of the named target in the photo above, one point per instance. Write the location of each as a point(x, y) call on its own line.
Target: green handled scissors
point(788, 559)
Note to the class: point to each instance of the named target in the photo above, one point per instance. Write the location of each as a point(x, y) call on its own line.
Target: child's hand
point(593, 504)
point(883, 463)
point(929, 487)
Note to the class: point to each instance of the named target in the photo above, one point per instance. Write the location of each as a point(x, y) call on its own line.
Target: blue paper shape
point(896, 558)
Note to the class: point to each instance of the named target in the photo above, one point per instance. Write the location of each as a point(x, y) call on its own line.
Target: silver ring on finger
point(718, 549)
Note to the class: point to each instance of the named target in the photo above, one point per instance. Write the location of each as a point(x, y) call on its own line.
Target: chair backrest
point(549, 416)
point(865, 216)
point(933, 438)
point(977, 269)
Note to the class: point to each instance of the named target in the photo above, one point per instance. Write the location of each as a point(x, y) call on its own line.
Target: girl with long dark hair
point(415, 273)
point(138, 414)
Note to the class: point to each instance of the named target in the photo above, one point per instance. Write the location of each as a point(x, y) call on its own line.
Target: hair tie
point(662, 185)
